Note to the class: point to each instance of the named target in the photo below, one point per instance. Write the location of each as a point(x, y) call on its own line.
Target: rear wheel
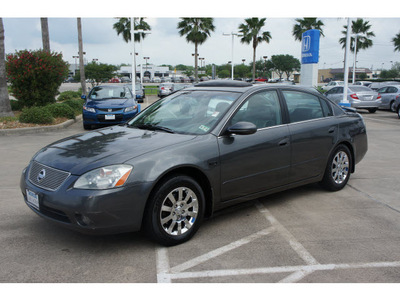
point(175, 211)
point(393, 106)
point(338, 169)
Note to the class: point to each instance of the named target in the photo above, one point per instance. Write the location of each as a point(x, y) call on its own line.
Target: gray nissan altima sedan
point(192, 153)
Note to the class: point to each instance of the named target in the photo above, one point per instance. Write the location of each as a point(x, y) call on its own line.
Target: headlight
point(89, 109)
point(104, 178)
point(130, 108)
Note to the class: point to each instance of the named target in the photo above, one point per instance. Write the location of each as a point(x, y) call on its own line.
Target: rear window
point(360, 89)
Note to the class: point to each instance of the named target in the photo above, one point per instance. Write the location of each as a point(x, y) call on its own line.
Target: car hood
point(113, 145)
point(109, 103)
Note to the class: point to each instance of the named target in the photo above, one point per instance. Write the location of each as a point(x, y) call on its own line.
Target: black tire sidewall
point(327, 181)
point(152, 223)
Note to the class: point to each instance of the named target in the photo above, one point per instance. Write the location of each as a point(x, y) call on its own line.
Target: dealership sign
point(310, 47)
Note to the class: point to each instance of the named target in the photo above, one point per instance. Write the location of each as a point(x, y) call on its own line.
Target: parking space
point(302, 235)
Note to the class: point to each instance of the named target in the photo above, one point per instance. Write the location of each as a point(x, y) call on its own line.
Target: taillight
point(354, 96)
point(379, 96)
point(163, 88)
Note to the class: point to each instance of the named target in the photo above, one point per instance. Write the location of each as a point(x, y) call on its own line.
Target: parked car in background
point(332, 84)
point(164, 89)
point(125, 79)
point(261, 79)
point(139, 92)
point(188, 155)
point(397, 106)
point(377, 85)
point(358, 96)
point(115, 80)
point(363, 83)
point(389, 94)
point(108, 105)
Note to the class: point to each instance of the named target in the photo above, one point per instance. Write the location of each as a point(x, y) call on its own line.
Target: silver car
point(389, 94)
point(165, 89)
point(358, 96)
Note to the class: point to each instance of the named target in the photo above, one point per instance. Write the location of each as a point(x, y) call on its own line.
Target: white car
point(332, 84)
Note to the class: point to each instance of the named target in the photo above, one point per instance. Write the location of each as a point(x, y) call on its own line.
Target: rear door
point(260, 161)
point(313, 132)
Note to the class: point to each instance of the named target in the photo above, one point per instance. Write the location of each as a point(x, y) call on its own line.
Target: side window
point(262, 109)
point(332, 91)
point(340, 90)
point(326, 108)
point(391, 90)
point(302, 106)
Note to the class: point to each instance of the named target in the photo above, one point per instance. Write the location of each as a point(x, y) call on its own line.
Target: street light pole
point(355, 57)
point(233, 35)
point(345, 102)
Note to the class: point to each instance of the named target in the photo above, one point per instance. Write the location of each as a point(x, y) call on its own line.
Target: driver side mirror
point(83, 97)
point(242, 128)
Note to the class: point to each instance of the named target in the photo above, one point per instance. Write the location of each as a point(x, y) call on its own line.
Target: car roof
point(242, 87)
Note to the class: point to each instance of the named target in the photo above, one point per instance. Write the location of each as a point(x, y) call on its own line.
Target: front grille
point(46, 177)
point(109, 109)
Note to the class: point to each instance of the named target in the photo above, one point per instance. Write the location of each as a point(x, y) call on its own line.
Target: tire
point(338, 169)
point(392, 106)
point(87, 127)
point(175, 211)
point(398, 111)
point(372, 110)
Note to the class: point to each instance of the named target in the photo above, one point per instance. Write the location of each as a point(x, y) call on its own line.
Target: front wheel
point(338, 169)
point(175, 211)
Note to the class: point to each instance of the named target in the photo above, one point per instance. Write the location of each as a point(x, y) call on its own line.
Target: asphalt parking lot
point(302, 235)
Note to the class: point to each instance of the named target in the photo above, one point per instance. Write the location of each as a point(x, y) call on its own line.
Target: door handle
point(332, 129)
point(283, 142)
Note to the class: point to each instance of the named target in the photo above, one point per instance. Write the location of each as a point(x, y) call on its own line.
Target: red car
point(262, 79)
point(114, 80)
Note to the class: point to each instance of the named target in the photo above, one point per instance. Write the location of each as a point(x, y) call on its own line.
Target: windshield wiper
point(153, 127)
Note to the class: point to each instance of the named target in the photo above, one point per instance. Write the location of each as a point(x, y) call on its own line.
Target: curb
point(18, 131)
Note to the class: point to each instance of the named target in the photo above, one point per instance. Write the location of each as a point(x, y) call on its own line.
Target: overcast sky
point(165, 46)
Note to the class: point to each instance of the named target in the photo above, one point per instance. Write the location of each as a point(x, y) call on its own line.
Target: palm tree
point(396, 42)
point(45, 34)
point(81, 65)
point(361, 29)
point(197, 30)
point(304, 25)
point(251, 31)
point(123, 26)
point(5, 107)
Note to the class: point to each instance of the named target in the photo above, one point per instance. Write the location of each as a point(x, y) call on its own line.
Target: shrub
point(61, 110)
point(35, 76)
point(15, 105)
point(68, 95)
point(36, 115)
point(76, 105)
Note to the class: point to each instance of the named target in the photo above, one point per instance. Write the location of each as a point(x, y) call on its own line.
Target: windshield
point(191, 112)
point(109, 92)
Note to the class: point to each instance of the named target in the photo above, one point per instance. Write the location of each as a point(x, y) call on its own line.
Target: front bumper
point(103, 118)
point(90, 211)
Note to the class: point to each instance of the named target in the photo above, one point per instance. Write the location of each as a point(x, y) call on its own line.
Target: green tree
point(123, 26)
point(196, 31)
point(360, 28)
point(252, 32)
point(35, 76)
point(396, 42)
point(285, 64)
point(99, 72)
point(5, 106)
point(305, 24)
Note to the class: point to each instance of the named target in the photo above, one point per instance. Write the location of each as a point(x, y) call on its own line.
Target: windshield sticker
point(215, 114)
point(204, 128)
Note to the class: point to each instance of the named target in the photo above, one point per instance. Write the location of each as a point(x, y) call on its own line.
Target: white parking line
point(300, 250)
point(165, 274)
point(217, 252)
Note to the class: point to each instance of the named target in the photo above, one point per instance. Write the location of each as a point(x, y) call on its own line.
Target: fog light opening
point(83, 220)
